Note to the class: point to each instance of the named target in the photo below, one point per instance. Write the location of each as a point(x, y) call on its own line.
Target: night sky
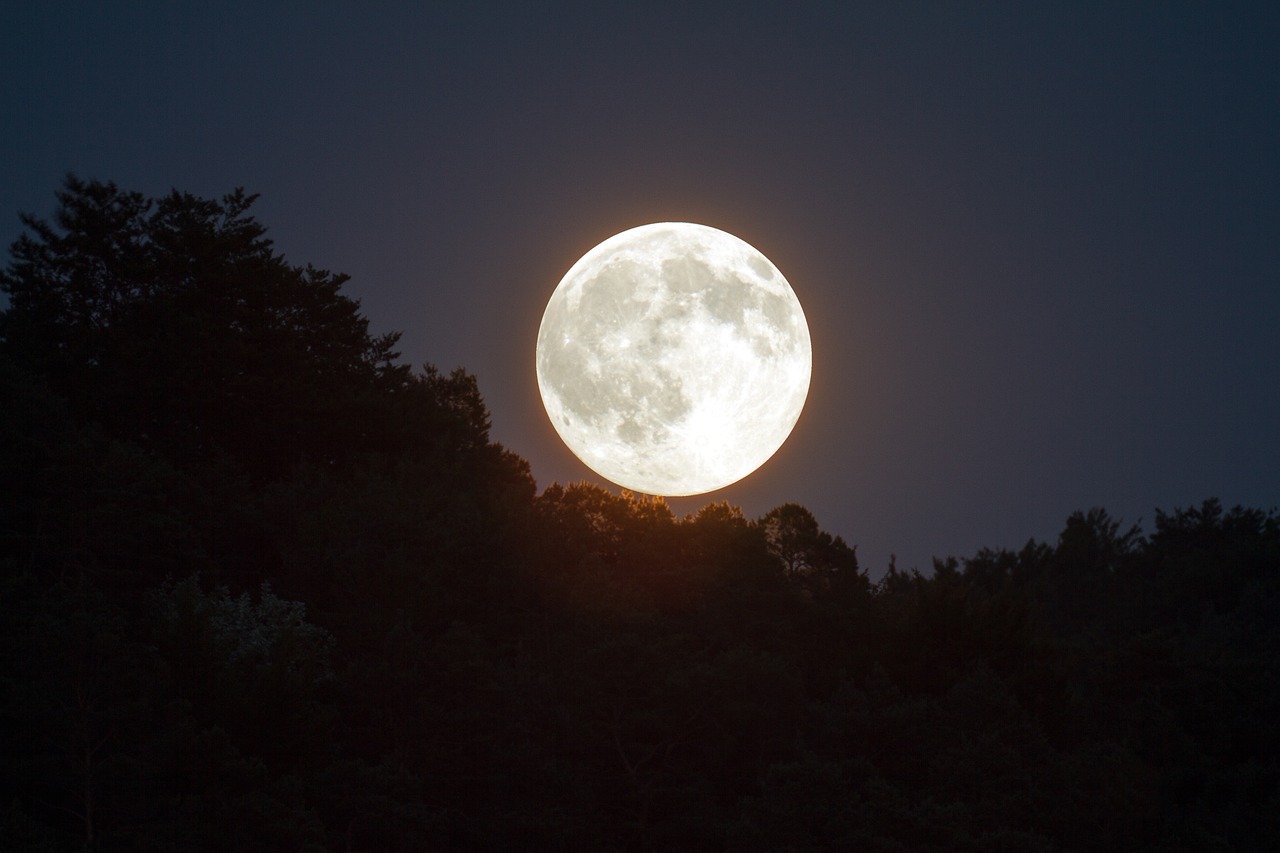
point(1038, 244)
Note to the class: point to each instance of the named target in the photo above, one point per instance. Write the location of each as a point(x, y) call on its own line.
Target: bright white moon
point(673, 359)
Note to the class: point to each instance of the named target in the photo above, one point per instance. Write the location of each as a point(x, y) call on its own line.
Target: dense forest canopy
point(262, 587)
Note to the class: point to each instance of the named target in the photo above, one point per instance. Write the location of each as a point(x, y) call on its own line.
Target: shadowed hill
point(263, 588)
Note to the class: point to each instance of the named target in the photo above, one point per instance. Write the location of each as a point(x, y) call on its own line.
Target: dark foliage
point(262, 588)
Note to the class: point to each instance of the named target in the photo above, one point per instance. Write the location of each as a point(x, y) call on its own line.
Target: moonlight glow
point(673, 359)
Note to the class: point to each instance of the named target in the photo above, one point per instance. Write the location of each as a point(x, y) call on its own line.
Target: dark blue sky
point(1038, 244)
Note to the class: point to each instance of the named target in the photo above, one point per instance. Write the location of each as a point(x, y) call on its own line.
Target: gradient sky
point(1038, 243)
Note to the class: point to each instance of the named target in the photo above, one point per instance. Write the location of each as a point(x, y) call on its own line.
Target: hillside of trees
point(265, 588)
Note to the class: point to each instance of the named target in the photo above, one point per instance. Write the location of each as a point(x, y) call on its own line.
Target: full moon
point(673, 359)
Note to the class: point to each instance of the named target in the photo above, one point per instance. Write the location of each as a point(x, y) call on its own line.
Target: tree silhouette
point(263, 588)
point(174, 324)
point(810, 556)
